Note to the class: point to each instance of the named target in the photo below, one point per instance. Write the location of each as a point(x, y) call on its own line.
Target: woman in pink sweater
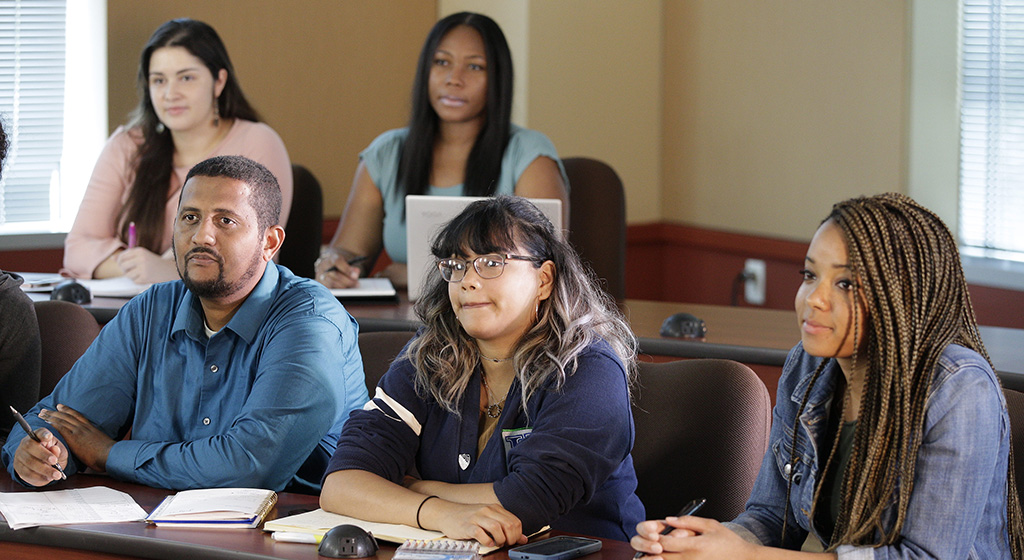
point(191, 107)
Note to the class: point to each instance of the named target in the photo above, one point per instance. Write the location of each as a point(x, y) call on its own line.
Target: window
point(53, 104)
point(992, 128)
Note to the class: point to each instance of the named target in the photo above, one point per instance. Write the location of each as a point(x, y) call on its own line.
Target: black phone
point(555, 548)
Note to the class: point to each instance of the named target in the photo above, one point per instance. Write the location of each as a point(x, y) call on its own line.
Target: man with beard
point(239, 375)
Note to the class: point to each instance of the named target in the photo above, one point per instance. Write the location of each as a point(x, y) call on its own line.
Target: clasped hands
point(33, 461)
point(694, 537)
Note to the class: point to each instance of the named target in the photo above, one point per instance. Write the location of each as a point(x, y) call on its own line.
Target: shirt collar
point(246, 322)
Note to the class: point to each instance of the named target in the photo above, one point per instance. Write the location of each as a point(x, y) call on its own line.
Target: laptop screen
point(425, 216)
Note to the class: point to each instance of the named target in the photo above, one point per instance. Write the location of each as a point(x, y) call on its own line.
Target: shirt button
point(214, 368)
point(206, 421)
point(787, 469)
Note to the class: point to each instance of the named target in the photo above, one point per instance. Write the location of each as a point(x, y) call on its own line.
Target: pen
point(28, 429)
point(306, 538)
point(689, 509)
point(133, 239)
point(352, 262)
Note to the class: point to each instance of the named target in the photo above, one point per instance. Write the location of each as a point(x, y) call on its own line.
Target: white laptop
point(425, 216)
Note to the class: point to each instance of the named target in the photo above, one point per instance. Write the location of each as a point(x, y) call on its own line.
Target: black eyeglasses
point(487, 266)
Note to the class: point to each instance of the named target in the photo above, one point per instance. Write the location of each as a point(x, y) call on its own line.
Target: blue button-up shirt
point(244, 407)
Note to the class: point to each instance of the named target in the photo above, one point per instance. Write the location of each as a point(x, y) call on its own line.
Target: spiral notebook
point(214, 507)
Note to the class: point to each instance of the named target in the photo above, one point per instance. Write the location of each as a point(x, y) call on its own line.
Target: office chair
point(378, 350)
point(1015, 409)
point(701, 432)
point(304, 232)
point(597, 220)
point(66, 330)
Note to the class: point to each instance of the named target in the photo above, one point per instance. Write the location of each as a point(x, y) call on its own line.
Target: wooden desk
point(745, 334)
point(141, 540)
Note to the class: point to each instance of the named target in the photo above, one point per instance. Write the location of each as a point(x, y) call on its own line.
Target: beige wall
point(328, 76)
point(774, 110)
point(742, 116)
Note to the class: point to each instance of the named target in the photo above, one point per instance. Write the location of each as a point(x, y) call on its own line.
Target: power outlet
point(753, 286)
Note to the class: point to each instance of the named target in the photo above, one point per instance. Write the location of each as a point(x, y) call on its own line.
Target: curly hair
point(577, 314)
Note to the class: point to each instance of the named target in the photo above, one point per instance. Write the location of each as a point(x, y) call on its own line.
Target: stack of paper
point(98, 504)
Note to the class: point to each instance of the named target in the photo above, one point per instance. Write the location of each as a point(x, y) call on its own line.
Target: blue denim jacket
point(958, 505)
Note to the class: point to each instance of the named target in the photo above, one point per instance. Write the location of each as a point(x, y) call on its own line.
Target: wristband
point(420, 509)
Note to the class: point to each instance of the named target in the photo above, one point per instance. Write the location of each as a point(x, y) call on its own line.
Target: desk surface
point(133, 540)
point(745, 334)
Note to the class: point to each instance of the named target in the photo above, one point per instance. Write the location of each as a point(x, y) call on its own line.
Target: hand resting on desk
point(33, 461)
point(698, 537)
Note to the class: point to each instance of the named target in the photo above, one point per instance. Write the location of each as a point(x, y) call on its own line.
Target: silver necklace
point(492, 410)
point(495, 360)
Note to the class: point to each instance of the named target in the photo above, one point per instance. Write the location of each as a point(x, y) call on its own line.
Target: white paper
point(319, 522)
point(206, 502)
point(120, 286)
point(98, 504)
point(367, 287)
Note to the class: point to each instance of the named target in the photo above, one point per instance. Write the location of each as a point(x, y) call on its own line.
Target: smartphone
point(555, 548)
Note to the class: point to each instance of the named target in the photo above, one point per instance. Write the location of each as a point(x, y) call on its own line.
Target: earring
point(216, 112)
point(160, 128)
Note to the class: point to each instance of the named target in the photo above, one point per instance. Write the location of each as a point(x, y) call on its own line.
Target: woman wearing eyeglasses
point(510, 410)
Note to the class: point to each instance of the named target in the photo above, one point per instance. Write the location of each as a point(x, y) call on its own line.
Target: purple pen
point(133, 239)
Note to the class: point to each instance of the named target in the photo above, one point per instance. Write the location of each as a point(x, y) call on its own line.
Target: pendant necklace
point(492, 410)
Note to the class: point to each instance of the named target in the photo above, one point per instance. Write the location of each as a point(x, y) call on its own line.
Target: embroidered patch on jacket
point(512, 438)
point(464, 460)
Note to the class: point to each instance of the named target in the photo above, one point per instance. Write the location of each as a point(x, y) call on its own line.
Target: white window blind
point(992, 126)
point(32, 71)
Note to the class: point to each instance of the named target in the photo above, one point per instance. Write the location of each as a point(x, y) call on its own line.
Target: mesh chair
point(597, 220)
point(1015, 409)
point(304, 232)
point(701, 431)
point(378, 350)
point(66, 330)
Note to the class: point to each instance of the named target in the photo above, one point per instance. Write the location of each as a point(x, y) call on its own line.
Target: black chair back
point(304, 232)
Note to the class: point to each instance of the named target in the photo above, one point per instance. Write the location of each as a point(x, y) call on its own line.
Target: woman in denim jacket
point(902, 444)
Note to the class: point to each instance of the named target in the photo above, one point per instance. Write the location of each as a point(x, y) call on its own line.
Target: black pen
point(352, 262)
point(689, 509)
point(28, 429)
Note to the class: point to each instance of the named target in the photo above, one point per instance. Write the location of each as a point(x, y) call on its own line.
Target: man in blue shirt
point(241, 374)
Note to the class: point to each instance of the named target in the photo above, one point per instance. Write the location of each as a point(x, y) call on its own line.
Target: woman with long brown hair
point(890, 436)
point(191, 108)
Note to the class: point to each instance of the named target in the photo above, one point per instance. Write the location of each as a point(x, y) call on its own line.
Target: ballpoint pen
point(28, 429)
point(690, 509)
point(352, 262)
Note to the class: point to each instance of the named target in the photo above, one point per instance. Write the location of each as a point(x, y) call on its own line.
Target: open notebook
point(425, 216)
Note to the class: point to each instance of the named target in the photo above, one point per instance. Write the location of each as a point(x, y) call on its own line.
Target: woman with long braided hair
point(890, 436)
